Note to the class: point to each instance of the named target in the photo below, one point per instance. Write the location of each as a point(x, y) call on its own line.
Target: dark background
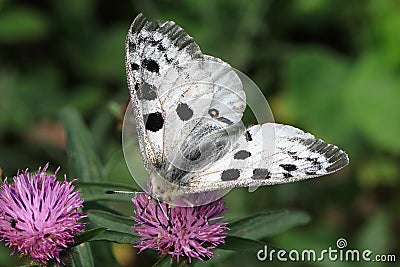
point(328, 67)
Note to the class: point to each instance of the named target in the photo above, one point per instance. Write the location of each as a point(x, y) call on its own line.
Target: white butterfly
point(188, 108)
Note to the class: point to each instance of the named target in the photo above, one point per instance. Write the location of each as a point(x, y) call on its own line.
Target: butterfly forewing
point(152, 47)
point(176, 91)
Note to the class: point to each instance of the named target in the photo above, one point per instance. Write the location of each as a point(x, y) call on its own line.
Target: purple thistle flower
point(182, 232)
point(39, 215)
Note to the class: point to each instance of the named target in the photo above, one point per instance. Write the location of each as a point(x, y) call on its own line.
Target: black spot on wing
point(184, 111)
point(153, 42)
point(313, 161)
point(293, 155)
point(261, 173)
point(242, 154)
point(248, 136)
point(131, 46)
point(151, 65)
point(288, 167)
point(134, 66)
point(141, 39)
point(230, 174)
point(153, 121)
point(161, 47)
point(169, 60)
point(147, 92)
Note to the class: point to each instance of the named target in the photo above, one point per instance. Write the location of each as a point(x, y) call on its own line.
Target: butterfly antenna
point(110, 192)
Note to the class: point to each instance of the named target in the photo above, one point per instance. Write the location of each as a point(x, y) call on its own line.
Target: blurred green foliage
point(328, 67)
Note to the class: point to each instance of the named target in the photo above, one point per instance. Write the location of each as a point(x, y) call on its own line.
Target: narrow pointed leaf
point(82, 158)
point(116, 237)
point(111, 221)
point(255, 247)
point(82, 256)
point(236, 243)
point(88, 235)
point(262, 225)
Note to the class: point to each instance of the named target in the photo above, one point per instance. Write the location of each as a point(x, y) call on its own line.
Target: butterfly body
point(188, 109)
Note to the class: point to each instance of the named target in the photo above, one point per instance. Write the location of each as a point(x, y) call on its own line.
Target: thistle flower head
point(39, 215)
point(181, 232)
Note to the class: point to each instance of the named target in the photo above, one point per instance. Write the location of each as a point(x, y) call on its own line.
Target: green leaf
point(239, 244)
point(266, 224)
point(88, 235)
point(103, 254)
point(111, 221)
point(83, 160)
point(116, 237)
point(82, 256)
point(22, 25)
point(102, 191)
point(236, 243)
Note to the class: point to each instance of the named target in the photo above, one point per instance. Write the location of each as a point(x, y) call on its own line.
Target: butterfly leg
point(147, 203)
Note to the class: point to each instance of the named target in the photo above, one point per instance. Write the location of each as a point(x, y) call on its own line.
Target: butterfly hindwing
point(271, 154)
